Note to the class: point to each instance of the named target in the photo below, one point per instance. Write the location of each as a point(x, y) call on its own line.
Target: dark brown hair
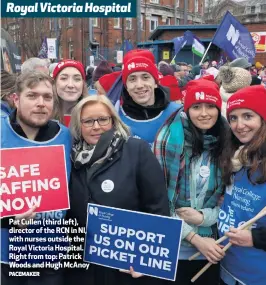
point(254, 152)
point(219, 131)
point(7, 84)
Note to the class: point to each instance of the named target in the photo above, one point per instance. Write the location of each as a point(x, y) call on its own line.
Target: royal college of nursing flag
point(234, 39)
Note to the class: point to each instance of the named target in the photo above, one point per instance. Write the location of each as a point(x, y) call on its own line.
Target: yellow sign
point(166, 55)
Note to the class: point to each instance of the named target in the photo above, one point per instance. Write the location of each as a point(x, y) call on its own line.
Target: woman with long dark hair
point(244, 174)
point(188, 147)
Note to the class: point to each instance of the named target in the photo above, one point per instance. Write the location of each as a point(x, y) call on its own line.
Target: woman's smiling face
point(244, 124)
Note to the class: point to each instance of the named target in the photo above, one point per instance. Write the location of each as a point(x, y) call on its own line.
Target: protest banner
point(119, 56)
point(234, 38)
point(51, 48)
point(120, 238)
point(33, 176)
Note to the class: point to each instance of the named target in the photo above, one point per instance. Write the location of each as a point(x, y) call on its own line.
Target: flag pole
point(220, 25)
point(205, 53)
point(173, 59)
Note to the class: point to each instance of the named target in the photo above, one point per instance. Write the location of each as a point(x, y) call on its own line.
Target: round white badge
point(107, 186)
point(204, 171)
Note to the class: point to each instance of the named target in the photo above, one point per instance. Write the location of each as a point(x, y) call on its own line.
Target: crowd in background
point(174, 140)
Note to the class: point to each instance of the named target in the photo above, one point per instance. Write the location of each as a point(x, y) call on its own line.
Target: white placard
point(91, 60)
point(119, 56)
point(51, 48)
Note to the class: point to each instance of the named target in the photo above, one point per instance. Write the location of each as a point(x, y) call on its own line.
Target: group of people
point(202, 161)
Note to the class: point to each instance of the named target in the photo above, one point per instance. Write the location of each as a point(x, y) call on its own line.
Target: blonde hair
point(75, 124)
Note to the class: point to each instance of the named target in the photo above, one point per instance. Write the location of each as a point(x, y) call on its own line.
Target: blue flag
point(234, 39)
point(128, 45)
point(179, 43)
point(197, 46)
point(44, 49)
point(189, 39)
point(115, 92)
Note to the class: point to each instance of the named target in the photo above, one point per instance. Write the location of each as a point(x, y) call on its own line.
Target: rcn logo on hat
point(131, 66)
point(71, 62)
point(61, 64)
point(200, 95)
point(134, 65)
point(206, 97)
point(235, 103)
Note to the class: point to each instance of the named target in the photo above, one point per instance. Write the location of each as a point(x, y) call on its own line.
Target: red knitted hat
point(171, 82)
point(202, 91)
point(209, 77)
point(160, 76)
point(138, 52)
point(252, 97)
point(139, 64)
point(108, 80)
point(69, 63)
point(208, 81)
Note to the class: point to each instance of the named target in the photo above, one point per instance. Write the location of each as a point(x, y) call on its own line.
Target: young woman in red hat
point(188, 147)
point(244, 174)
point(70, 86)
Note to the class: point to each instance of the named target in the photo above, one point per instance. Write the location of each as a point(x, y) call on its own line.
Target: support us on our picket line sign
point(32, 176)
point(120, 238)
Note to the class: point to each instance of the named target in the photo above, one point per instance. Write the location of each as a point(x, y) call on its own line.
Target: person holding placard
point(70, 85)
point(28, 127)
point(113, 169)
point(244, 164)
point(188, 147)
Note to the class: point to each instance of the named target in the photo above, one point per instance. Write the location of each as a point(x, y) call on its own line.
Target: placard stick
point(207, 266)
point(246, 225)
point(261, 214)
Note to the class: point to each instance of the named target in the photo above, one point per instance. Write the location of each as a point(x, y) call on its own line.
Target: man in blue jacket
point(30, 126)
point(146, 104)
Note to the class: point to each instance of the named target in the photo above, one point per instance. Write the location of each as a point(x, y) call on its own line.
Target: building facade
point(78, 35)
